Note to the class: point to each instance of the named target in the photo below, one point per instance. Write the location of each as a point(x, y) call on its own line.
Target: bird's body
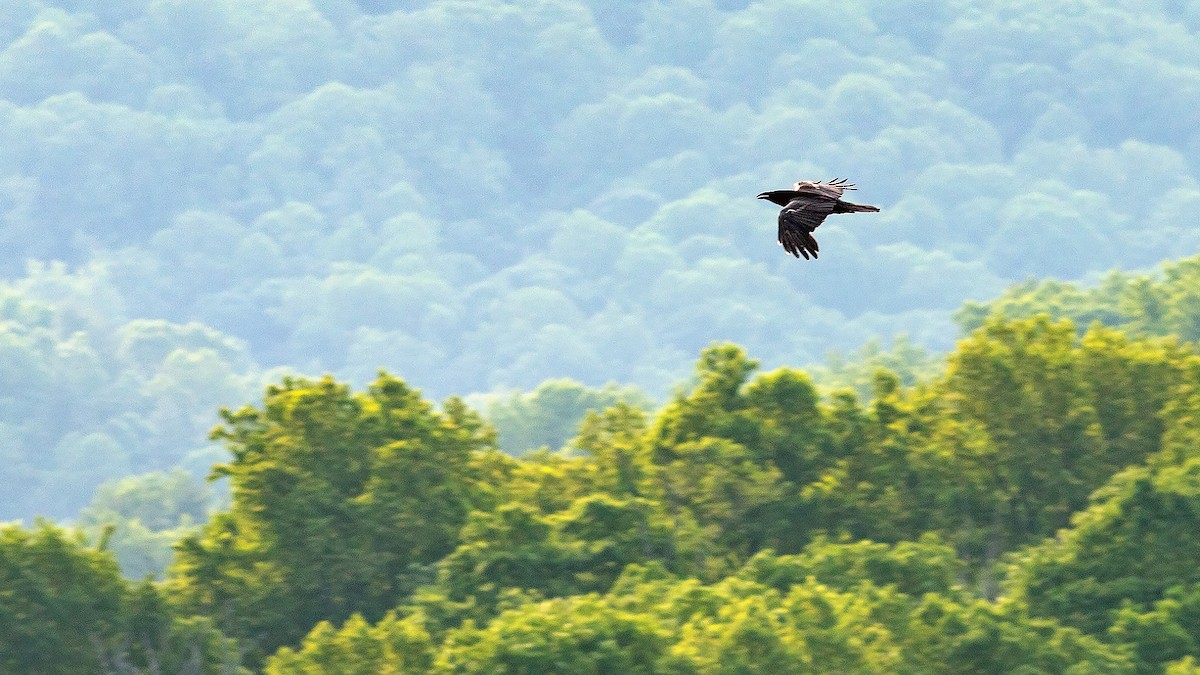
point(805, 208)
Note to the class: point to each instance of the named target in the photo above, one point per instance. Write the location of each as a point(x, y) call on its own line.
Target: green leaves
point(392, 646)
point(750, 524)
point(65, 609)
point(56, 597)
point(651, 622)
point(1132, 545)
point(338, 499)
point(583, 634)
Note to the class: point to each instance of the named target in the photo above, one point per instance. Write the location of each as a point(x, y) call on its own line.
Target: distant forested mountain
point(481, 195)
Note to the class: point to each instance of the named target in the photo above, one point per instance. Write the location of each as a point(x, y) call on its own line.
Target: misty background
point(198, 196)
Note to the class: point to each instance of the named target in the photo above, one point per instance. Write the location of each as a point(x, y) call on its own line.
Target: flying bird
point(805, 208)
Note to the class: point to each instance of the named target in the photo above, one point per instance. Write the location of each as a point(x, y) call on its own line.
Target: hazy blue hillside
point(481, 195)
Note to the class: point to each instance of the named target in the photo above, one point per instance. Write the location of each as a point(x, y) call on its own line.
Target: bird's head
point(778, 197)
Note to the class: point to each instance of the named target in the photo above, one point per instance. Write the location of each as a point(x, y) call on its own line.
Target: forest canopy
point(1030, 508)
point(481, 196)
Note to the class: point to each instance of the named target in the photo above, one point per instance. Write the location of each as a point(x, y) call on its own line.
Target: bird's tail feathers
point(847, 207)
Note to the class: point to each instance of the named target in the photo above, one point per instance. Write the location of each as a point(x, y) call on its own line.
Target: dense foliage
point(481, 195)
point(1165, 303)
point(1031, 508)
point(66, 609)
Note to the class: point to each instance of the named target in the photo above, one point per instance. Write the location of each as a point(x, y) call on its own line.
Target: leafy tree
point(579, 635)
point(614, 437)
point(1156, 305)
point(1018, 381)
point(1158, 636)
point(872, 488)
point(998, 452)
point(914, 568)
point(1131, 546)
point(156, 637)
point(60, 600)
point(392, 645)
point(338, 498)
point(67, 610)
point(984, 638)
point(709, 410)
point(514, 554)
point(720, 497)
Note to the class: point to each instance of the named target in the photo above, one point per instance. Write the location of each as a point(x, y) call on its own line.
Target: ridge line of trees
point(1028, 508)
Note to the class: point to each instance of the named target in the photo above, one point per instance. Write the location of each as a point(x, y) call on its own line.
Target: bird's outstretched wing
point(797, 221)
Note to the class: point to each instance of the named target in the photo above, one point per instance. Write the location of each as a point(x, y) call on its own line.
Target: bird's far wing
point(832, 189)
point(797, 221)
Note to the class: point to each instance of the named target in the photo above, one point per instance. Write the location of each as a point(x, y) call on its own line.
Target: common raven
point(805, 208)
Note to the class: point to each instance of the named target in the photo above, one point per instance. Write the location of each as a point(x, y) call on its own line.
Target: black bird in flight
point(805, 208)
